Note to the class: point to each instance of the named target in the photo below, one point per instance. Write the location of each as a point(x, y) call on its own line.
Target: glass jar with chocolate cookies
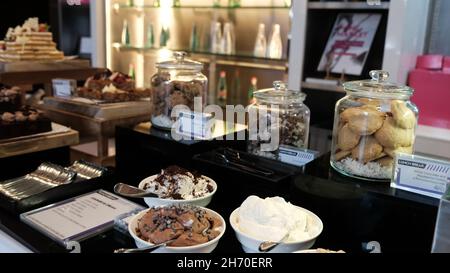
point(177, 82)
point(278, 113)
point(372, 123)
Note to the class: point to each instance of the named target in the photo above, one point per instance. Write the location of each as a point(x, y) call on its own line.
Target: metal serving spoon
point(132, 192)
point(143, 250)
point(268, 246)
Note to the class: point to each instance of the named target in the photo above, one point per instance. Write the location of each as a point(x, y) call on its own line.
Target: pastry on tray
point(10, 98)
point(30, 42)
point(111, 87)
point(23, 122)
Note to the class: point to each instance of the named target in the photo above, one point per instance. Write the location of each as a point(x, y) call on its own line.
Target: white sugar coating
point(370, 170)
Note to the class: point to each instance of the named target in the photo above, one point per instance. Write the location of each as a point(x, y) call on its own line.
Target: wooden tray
point(59, 137)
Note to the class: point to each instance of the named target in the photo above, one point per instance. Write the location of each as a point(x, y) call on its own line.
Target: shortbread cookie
point(364, 121)
point(403, 116)
point(386, 161)
point(368, 150)
point(341, 155)
point(347, 139)
point(392, 136)
point(405, 150)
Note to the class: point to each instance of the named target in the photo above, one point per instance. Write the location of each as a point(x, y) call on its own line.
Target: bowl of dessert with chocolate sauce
point(176, 186)
point(187, 228)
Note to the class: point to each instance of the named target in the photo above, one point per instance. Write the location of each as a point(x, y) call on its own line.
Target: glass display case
point(220, 34)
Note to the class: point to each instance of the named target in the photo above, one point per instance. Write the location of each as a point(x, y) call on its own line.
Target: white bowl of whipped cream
point(176, 186)
point(275, 220)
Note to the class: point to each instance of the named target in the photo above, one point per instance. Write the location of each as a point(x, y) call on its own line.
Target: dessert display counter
point(60, 137)
point(43, 72)
point(354, 213)
point(96, 122)
point(22, 155)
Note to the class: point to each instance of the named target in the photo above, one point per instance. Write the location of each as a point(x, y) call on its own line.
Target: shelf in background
point(242, 59)
point(347, 5)
point(324, 87)
point(203, 7)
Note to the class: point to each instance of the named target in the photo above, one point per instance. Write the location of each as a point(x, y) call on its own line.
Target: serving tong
point(233, 158)
point(86, 170)
point(46, 177)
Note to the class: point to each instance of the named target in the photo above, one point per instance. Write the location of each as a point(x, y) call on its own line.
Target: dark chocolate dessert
point(111, 87)
point(26, 121)
point(10, 99)
point(186, 225)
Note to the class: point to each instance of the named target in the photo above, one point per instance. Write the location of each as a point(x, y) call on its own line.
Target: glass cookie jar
point(290, 121)
point(372, 123)
point(177, 82)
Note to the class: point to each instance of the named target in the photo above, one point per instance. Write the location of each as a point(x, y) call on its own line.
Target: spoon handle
point(140, 250)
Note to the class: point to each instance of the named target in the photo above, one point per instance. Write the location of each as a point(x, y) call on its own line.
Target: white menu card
point(80, 217)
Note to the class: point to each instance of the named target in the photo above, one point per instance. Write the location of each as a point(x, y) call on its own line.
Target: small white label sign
point(296, 157)
point(63, 87)
point(195, 125)
point(421, 175)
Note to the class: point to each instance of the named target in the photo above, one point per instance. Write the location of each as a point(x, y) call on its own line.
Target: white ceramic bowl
point(251, 245)
point(203, 248)
point(157, 202)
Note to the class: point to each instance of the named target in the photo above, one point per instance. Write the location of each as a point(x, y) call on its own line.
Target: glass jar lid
point(280, 94)
point(379, 86)
point(180, 63)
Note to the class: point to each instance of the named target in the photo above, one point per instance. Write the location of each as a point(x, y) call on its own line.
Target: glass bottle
point(164, 37)
point(374, 122)
point(132, 72)
point(150, 36)
point(222, 90)
point(234, 3)
point(227, 40)
point(216, 37)
point(176, 3)
point(237, 85)
point(275, 50)
point(194, 40)
point(251, 91)
point(125, 34)
point(261, 42)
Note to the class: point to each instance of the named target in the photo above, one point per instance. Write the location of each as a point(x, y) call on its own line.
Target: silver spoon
point(132, 192)
point(268, 246)
point(143, 250)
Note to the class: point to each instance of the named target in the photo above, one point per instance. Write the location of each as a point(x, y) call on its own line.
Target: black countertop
point(353, 213)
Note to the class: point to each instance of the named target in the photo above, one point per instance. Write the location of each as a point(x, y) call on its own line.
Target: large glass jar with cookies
point(372, 123)
point(177, 82)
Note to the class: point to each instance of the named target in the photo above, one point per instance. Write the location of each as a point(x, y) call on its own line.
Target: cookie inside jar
point(373, 123)
point(178, 82)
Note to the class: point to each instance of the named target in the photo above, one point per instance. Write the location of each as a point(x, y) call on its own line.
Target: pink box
point(432, 97)
point(446, 65)
point(431, 62)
